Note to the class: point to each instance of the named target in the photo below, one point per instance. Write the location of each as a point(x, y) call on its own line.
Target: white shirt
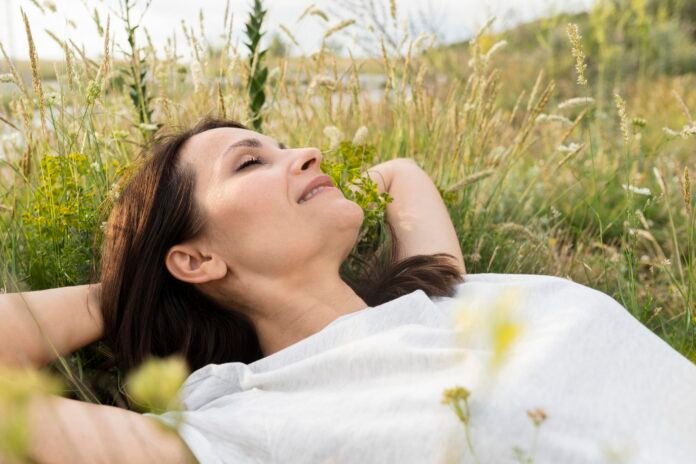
point(368, 387)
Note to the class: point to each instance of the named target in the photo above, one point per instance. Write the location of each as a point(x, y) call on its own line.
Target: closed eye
point(247, 163)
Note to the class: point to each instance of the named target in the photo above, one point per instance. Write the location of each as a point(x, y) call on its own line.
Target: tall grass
point(540, 174)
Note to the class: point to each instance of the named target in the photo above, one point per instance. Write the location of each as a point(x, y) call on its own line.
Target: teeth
point(313, 192)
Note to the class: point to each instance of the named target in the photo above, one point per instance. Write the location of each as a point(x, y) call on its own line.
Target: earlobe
point(185, 263)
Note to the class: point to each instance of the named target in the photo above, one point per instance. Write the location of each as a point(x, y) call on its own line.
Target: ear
point(186, 263)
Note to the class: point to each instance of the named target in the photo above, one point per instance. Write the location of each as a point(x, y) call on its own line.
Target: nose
point(307, 157)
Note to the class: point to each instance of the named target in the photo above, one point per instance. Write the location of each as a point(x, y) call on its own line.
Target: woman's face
point(248, 186)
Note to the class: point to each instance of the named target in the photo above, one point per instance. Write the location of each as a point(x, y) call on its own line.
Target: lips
point(318, 181)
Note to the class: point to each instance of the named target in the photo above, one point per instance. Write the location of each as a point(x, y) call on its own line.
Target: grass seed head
point(576, 102)
point(623, 116)
point(578, 53)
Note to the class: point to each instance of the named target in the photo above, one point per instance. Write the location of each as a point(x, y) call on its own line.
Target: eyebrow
point(249, 142)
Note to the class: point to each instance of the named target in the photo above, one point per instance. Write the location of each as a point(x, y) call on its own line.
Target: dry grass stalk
point(226, 15)
point(575, 102)
point(6, 121)
point(15, 74)
point(532, 115)
point(575, 124)
point(69, 69)
point(623, 116)
point(686, 191)
point(660, 181)
point(388, 68)
point(338, 27)
point(306, 11)
point(320, 13)
point(683, 106)
point(535, 89)
point(87, 61)
point(25, 162)
point(575, 40)
point(68, 56)
point(290, 35)
point(36, 81)
point(106, 62)
point(470, 180)
point(571, 155)
point(221, 110)
point(515, 108)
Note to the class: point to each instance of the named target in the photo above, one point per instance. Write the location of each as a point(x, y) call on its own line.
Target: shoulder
point(539, 291)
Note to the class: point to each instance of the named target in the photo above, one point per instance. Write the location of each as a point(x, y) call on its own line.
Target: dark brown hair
point(149, 312)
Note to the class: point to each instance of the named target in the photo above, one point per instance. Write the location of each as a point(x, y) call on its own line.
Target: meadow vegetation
point(562, 147)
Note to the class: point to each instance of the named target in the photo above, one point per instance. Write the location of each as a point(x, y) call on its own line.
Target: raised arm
point(69, 318)
point(418, 214)
point(66, 431)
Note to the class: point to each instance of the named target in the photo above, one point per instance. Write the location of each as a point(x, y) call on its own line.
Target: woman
point(227, 247)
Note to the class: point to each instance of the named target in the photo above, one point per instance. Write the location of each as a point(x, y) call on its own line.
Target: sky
point(454, 20)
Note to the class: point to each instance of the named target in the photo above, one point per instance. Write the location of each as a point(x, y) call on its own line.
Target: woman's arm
point(67, 431)
point(69, 318)
point(418, 214)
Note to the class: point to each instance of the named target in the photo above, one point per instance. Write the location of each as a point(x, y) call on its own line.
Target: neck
point(295, 310)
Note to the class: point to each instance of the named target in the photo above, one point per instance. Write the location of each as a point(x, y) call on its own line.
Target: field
point(561, 147)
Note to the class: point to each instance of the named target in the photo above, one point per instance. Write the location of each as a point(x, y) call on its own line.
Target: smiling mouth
point(318, 191)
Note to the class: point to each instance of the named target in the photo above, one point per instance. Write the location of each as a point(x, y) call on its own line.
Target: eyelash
point(247, 163)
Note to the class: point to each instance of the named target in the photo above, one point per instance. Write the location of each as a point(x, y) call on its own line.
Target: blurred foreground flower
point(537, 416)
point(17, 387)
point(491, 326)
point(154, 386)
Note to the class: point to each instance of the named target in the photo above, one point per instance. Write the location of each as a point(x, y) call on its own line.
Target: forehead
point(207, 146)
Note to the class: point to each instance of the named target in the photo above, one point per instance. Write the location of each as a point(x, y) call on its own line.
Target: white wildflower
point(688, 131)
point(543, 117)
point(575, 102)
point(114, 192)
point(637, 190)
point(670, 132)
point(573, 147)
point(322, 81)
point(360, 136)
point(50, 97)
point(334, 134)
point(147, 126)
point(6, 78)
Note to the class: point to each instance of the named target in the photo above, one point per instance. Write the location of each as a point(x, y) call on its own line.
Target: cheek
point(260, 215)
